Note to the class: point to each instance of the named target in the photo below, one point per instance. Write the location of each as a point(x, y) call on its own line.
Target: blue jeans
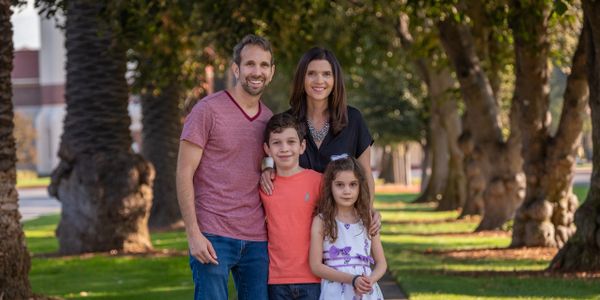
point(299, 291)
point(248, 261)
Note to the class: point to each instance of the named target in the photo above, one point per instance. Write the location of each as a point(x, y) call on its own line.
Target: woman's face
point(318, 80)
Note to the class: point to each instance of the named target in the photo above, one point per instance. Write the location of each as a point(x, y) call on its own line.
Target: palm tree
point(14, 257)
point(105, 189)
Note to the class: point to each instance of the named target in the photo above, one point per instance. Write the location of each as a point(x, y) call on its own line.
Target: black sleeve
point(364, 139)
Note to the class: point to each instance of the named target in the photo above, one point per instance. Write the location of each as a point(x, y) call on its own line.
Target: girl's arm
point(379, 257)
point(316, 256)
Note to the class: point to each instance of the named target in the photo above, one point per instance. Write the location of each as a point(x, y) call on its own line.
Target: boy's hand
point(201, 248)
point(376, 225)
point(266, 181)
point(362, 285)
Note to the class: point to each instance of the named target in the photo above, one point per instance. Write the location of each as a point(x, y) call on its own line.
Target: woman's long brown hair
point(336, 104)
point(326, 207)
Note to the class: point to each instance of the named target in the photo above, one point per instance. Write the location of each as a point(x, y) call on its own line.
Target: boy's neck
point(284, 172)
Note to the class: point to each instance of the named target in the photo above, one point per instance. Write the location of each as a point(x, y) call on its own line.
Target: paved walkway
point(390, 289)
point(35, 202)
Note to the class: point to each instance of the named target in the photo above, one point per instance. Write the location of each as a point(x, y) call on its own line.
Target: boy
point(289, 212)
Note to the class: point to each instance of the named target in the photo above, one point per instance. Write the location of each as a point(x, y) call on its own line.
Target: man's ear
point(236, 71)
point(272, 73)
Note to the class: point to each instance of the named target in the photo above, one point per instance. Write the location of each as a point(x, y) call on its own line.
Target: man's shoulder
point(214, 98)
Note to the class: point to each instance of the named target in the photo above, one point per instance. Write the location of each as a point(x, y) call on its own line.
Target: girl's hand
point(266, 180)
point(362, 285)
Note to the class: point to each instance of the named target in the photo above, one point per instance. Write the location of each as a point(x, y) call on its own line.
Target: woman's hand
point(266, 181)
point(376, 224)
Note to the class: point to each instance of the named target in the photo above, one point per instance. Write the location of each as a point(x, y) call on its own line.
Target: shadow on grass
point(395, 198)
point(429, 284)
point(424, 221)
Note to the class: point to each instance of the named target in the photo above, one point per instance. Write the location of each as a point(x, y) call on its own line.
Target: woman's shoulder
point(354, 112)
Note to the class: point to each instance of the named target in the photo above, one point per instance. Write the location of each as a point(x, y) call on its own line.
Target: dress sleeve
point(198, 125)
point(364, 138)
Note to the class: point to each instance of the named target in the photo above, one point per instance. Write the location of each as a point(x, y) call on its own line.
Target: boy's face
point(285, 148)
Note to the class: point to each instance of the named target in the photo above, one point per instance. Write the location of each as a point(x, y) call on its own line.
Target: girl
point(341, 250)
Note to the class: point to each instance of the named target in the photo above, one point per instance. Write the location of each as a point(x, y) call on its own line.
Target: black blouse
point(353, 140)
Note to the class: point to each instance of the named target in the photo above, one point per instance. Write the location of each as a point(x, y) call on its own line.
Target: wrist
point(354, 280)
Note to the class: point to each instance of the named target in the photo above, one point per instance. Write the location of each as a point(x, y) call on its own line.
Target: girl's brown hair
point(336, 104)
point(326, 207)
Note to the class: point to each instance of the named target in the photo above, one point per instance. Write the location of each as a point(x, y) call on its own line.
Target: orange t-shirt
point(289, 213)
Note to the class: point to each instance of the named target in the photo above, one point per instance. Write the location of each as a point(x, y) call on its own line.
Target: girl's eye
point(354, 184)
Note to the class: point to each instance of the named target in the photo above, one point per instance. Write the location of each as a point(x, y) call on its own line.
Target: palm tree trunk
point(105, 189)
point(582, 251)
point(160, 143)
point(14, 257)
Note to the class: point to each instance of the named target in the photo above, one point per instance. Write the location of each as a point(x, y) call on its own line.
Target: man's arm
point(187, 162)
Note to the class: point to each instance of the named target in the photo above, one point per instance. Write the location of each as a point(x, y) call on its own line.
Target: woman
point(335, 128)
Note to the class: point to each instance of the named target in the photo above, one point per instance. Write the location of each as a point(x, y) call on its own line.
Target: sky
point(26, 27)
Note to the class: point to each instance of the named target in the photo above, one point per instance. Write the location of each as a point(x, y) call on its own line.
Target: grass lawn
point(416, 241)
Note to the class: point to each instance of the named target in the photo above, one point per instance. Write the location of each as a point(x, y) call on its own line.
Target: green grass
point(108, 277)
point(411, 232)
point(412, 235)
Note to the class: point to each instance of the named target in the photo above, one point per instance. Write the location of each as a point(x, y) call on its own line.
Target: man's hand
point(376, 224)
point(201, 248)
point(266, 180)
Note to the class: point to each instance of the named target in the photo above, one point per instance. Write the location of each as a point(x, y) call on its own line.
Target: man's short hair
point(282, 121)
point(251, 39)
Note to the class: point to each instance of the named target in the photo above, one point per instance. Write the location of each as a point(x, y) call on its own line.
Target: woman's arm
point(379, 257)
point(365, 162)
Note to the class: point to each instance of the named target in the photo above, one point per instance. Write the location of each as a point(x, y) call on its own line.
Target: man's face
point(255, 70)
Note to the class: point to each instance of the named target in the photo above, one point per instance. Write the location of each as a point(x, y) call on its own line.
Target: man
point(218, 171)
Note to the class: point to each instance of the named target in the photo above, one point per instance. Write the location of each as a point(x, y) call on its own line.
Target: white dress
point(351, 253)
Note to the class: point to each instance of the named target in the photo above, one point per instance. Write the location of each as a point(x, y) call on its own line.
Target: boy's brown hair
point(281, 121)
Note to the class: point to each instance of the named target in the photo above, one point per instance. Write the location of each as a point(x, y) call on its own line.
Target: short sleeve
point(198, 125)
point(364, 139)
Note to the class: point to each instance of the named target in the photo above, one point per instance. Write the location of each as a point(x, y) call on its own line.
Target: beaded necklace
point(318, 135)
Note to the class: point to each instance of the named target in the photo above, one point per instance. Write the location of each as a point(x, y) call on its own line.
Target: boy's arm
point(316, 256)
point(188, 160)
point(379, 257)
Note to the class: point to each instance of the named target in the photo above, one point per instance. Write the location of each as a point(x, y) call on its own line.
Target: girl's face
point(345, 189)
point(318, 80)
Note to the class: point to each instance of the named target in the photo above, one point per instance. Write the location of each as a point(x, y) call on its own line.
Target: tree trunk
point(474, 176)
point(582, 251)
point(160, 138)
point(546, 216)
point(105, 189)
point(497, 160)
point(439, 159)
point(454, 196)
point(425, 165)
point(14, 257)
point(438, 84)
